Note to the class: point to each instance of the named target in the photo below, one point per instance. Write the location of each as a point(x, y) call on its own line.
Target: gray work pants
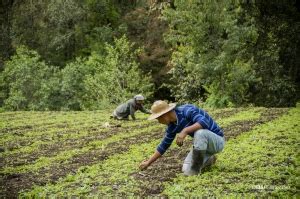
point(204, 140)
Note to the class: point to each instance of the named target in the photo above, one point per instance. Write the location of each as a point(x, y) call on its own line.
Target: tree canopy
point(78, 55)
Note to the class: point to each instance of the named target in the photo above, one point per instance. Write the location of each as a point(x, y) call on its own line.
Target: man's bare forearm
point(192, 128)
point(154, 157)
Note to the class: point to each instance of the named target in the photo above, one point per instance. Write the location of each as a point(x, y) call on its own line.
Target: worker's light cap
point(139, 97)
point(159, 108)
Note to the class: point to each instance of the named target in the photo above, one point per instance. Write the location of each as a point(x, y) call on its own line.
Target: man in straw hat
point(123, 111)
point(208, 137)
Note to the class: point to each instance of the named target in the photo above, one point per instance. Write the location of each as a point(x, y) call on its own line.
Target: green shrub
point(116, 76)
point(25, 81)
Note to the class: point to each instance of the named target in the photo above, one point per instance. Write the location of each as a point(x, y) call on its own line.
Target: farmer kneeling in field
point(129, 108)
point(208, 138)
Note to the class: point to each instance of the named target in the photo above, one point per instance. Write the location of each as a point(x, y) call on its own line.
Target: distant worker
point(208, 137)
point(123, 111)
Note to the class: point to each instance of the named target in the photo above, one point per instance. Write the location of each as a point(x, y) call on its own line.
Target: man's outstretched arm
point(147, 163)
point(161, 149)
point(144, 110)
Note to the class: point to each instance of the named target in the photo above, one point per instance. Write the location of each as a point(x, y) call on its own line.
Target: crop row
point(62, 120)
point(37, 141)
point(24, 146)
point(68, 154)
point(17, 181)
point(33, 119)
point(126, 164)
point(25, 121)
point(25, 153)
point(42, 124)
point(10, 134)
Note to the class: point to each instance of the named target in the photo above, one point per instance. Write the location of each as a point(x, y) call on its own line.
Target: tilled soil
point(49, 150)
point(150, 180)
point(15, 182)
point(226, 113)
point(61, 129)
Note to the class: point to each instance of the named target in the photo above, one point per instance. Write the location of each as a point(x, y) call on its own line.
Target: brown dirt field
point(61, 129)
point(49, 150)
point(15, 182)
point(226, 113)
point(151, 180)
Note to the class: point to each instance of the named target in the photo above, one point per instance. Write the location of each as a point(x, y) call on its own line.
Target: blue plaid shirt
point(187, 115)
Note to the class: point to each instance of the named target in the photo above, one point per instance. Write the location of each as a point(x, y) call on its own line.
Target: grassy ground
point(86, 153)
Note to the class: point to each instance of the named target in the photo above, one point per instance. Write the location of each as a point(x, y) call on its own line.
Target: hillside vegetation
point(91, 54)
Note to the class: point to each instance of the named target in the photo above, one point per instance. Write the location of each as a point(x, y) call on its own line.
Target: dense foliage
point(27, 82)
point(75, 55)
point(212, 52)
point(91, 83)
point(235, 53)
point(98, 81)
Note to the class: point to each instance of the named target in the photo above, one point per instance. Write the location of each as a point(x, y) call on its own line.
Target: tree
point(61, 30)
point(117, 76)
point(25, 79)
point(276, 53)
point(6, 49)
point(211, 58)
point(104, 79)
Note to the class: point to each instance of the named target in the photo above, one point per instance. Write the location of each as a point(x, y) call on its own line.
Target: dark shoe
point(212, 160)
point(197, 162)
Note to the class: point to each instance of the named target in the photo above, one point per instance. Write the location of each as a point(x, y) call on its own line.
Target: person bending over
point(123, 111)
point(208, 137)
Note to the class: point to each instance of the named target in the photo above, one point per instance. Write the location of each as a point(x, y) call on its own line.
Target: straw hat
point(159, 108)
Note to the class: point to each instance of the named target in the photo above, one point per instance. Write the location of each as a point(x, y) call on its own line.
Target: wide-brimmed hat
point(159, 108)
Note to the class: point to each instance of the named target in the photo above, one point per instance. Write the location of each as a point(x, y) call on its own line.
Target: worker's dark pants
point(119, 117)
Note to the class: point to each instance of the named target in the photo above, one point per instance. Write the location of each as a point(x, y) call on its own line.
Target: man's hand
point(180, 138)
point(144, 165)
